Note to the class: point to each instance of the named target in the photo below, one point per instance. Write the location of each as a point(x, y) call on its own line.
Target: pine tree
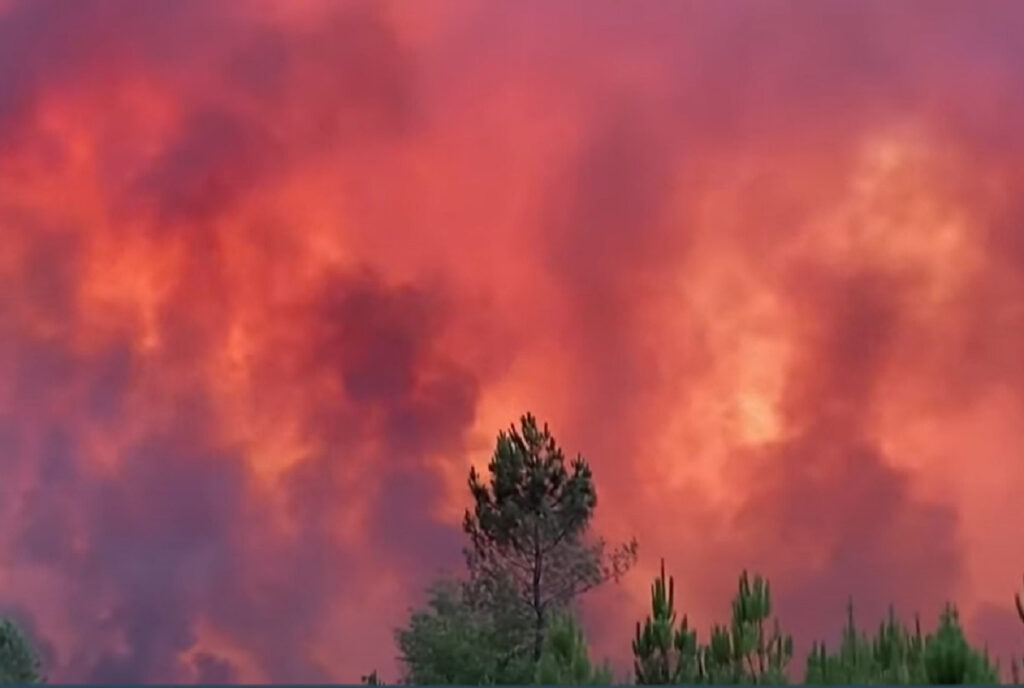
point(529, 525)
point(662, 653)
point(898, 654)
point(950, 660)
point(746, 652)
point(854, 663)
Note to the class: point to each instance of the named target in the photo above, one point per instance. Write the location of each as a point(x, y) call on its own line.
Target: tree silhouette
point(529, 525)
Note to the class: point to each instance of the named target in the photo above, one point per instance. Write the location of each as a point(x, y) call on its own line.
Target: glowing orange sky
point(274, 274)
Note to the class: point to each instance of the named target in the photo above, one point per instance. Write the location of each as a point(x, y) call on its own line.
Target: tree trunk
point(538, 610)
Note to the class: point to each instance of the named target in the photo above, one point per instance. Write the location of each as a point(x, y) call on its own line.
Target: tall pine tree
point(854, 663)
point(662, 653)
point(949, 659)
point(746, 651)
point(529, 525)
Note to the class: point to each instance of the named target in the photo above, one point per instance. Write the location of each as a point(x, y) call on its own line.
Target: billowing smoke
point(274, 274)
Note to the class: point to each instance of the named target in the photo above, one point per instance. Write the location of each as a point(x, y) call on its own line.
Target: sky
point(275, 273)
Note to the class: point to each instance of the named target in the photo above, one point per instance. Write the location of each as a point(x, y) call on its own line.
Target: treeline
point(512, 619)
point(746, 652)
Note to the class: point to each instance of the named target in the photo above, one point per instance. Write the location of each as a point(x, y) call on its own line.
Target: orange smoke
point(274, 274)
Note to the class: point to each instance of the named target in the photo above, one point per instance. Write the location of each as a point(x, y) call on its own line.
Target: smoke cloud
point(274, 274)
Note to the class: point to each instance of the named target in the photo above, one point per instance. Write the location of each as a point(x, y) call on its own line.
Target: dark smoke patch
point(46, 366)
point(404, 401)
point(47, 532)
point(214, 670)
point(605, 219)
point(162, 535)
point(851, 323)
point(410, 536)
point(216, 160)
point(434, 417)
point(376, 339)
point(112, 370)
point(167, 540)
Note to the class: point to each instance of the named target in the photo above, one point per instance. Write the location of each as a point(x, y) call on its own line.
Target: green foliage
point(19, 663)
point(721, 659)
point(893, 656)
point(746, 652)
point(529, 525)
point(897, 656)
point(662, 653)
point(949, 659)
point(465, 636)
point(854, 662)
point(564, 659)
point(743, 652)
